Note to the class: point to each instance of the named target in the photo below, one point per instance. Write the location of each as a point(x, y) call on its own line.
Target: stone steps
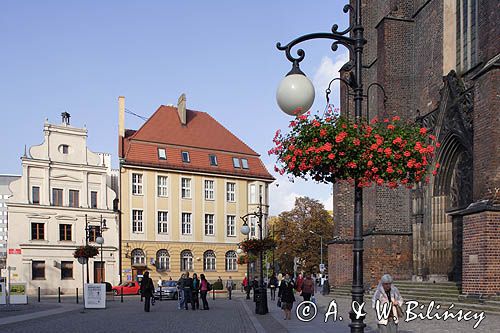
point(442, 293)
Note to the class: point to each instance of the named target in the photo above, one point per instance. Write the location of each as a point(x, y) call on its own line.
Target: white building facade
point(64, 187)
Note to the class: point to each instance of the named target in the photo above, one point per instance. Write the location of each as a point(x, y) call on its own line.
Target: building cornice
point(60, 208)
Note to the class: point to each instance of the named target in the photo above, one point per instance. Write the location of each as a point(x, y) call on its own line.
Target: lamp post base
point(261, 301)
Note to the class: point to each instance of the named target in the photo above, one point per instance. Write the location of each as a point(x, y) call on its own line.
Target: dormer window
point(244, 163)
point(236, 162)
point(185, 157)
point(162, 154)
point(213, 160)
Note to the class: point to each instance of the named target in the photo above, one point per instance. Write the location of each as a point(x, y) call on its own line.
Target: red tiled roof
point(201, 136)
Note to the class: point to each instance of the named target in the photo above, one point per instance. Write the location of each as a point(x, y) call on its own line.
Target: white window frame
point(209, 186)
point(185, 160)
point(209, 261)
point(187, 260)
point(186, 223)
point(162, 221)
point(213, 162)
point(162, 188)
point(163, 260)
point(253, 227)
point(236, 163)
point(231, 225)
point(137, 224)
point(209, 224)
point(137, 183)
point(231, 261)
point(244, 163)
point(230, 193)
point(162, 154)
point(253, 194)
point(185, 188)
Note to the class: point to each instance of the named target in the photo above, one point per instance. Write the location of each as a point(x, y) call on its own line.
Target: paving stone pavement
point(237, 315)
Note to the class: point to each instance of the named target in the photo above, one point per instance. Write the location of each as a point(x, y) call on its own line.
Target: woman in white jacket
point(387, 293)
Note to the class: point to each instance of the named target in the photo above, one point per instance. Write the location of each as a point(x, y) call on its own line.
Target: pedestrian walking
point(205, 287)
point(195, 301)
point(273, 284)
point(180, 291)
point(298, 283)
point(229, 287)
point(307, 287)
point(244, 284)
point(188, 285)
point(147, 290)
point(286, 296)
point(159, 282)
point(255, 286)
point(387, 293)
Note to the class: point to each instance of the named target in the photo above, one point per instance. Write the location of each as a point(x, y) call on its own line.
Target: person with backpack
point(147, 290)
point(307, 287)
point(188, 285)
point(205, 287)
point(195, 301)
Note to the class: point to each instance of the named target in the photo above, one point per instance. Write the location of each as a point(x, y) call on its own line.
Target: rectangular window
point(261, 192)
point(93, 199)
point(186, 188)
point(162, 222)
point(65, 232)
point(209, 224)
point(35, 195)
point(74, 198)
point(253, 194)
point(185, 156)
point(137, 225)
point(231, 225)
point(136, 184)
point(231, 192)
point(57, 197)
point(213, 160)
point(186, 223)
point(162, 154)
point(209, 190)
point(236, 162)
point(94, 232)
point(65, 149)
point(244, 163)
point(37, 231)
point(253, 224)
point(38, 270)
point(66, 270)
point(162, 186)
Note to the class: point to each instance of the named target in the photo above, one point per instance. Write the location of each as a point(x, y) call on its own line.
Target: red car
point(128, 287)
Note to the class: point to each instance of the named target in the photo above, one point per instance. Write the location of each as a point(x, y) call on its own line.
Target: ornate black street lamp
point(261, 304)
point(295, 96)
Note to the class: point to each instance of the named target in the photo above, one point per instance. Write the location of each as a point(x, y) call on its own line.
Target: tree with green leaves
point(292, 232)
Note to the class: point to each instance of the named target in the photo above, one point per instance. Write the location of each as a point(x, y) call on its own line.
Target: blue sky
point(79, 56)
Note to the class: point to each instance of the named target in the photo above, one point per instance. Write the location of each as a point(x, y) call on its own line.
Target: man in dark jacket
point(188, 290)
point(147, 290)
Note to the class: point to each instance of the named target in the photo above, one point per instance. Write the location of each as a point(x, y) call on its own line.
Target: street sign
point(14, 251)
point(11, 268)
point(321, 268)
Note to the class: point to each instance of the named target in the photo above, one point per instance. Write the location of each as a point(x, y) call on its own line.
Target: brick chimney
point(181, 108)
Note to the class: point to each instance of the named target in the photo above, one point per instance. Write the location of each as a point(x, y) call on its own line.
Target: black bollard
point(121, 296)
point(76, 295)
point(58, 294)
point(38, 294)
point(161, 296)
point(213, 294)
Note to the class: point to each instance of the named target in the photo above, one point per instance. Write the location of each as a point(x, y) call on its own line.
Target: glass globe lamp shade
point(295, 94)
point(239, 251)
point(99, 240)
point(245, 229)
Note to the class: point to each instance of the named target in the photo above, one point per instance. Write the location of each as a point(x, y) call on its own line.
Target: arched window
point(162, 260)
point(186, 260)
point(138, 257)
point(209, 261)
point(231, 261)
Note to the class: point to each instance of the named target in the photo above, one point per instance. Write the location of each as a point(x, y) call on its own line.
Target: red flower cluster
point(333, 148)
point(87, 251)
point(253, 246)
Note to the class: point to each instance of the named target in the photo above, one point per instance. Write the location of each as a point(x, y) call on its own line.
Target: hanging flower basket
point(254, 246)
point(246, 258)
point(331, 149)
point(86, 251)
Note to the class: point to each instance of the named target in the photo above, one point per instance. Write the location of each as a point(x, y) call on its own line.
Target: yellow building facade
point(181, 205)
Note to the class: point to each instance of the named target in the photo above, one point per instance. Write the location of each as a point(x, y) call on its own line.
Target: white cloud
point(328, 70)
